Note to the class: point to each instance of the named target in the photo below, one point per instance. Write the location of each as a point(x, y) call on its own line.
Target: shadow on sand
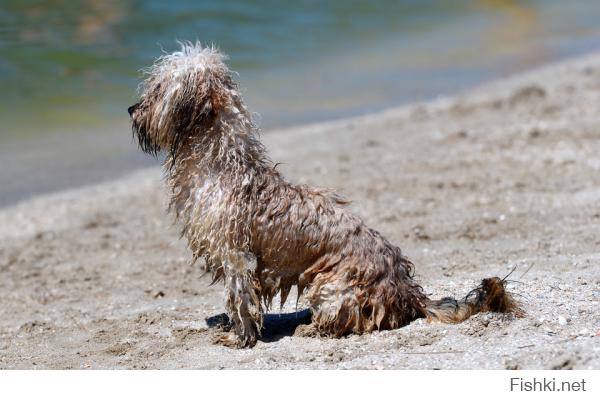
point(275, 326)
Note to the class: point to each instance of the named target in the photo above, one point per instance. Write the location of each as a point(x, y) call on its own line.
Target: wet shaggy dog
point(261, 234)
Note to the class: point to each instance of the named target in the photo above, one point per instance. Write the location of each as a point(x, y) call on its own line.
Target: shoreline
point(103, 152)
point(502, 175)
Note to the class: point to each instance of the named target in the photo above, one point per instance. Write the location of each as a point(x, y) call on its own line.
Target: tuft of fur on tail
point(490, 295)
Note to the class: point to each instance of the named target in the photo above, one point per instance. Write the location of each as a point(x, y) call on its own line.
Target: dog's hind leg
point(358, 297)
point(243, 300)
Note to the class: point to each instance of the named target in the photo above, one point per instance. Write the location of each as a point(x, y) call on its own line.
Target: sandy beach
point(504, 176)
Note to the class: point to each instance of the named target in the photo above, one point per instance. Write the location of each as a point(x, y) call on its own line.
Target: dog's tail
point(490, 295)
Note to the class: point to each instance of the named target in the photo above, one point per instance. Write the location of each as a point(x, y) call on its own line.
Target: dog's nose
point(131, 109)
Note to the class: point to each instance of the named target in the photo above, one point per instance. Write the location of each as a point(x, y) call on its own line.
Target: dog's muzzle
point(131, 109)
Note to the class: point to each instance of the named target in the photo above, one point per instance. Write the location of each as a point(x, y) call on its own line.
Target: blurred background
point(69, 69)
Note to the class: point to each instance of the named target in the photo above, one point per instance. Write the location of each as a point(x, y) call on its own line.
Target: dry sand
point(507, 175)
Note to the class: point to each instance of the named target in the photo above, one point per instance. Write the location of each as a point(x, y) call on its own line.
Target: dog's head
point(182, 94)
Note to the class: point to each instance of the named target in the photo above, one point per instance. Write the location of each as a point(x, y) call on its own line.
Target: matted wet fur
point(261, 234)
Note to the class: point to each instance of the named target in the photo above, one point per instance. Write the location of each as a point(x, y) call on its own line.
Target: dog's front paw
point(309, 330)
point(231, 340)
point(228, 339)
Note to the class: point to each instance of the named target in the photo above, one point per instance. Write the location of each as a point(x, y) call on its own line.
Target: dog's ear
point(205, 95)
point(197, 108)
point(220, 92)
point(210, 91)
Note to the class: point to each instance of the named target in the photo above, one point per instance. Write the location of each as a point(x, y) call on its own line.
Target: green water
point(76, 62)
point(69, 69)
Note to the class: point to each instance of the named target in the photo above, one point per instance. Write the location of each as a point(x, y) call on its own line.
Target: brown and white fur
point(261, 234)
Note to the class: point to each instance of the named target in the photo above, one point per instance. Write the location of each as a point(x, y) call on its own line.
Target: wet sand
point(506, 175)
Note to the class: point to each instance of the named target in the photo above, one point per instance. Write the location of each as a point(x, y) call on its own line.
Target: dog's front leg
point(243, 300)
